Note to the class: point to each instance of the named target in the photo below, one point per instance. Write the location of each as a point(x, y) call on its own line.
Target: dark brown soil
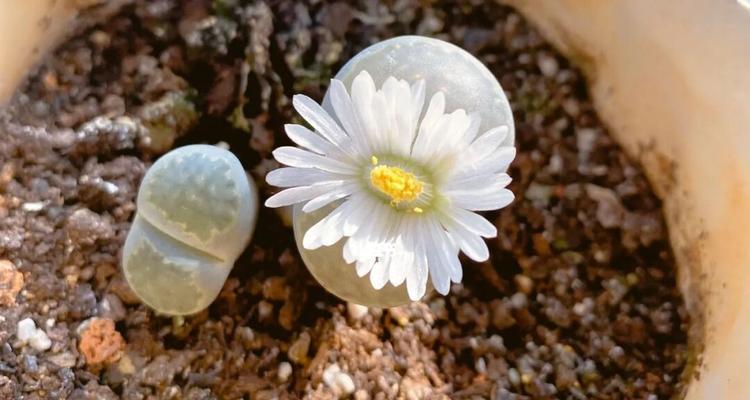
point(578, 300)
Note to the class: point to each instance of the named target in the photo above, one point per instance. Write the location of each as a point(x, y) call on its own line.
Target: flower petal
point(416, 277)
point(319, 119)
point(296, 157)
point(397, 269)
point(435, 241)
point(429, 138)
point(470, 243)
point(450, 139)
point(379, 274)
point(348, 116)
point(497, 161)
point(471, 132)
point(444, 140)
point(417, 99)
point(488, 201)
point(380, 139)
point(348, 253)
point(435, 109)
point(476, 183)
point(309, 139)
point(402, 134)
point(473, 222)
point(405, 260)
point(327, 198)
point(292, 176)
point(299, 194)
point(364, 266)
point(360, 215)
point(489, 141)
point(363, 90)
point(327, 231)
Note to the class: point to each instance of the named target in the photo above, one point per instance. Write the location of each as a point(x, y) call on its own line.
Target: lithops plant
point(414, 137)
point(196, 213)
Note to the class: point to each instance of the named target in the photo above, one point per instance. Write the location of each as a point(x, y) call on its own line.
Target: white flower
point(407, 181)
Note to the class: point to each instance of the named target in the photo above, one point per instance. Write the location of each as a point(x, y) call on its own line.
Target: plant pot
point(672, 82)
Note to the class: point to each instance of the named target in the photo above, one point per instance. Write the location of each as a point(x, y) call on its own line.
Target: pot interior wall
point(672, 84)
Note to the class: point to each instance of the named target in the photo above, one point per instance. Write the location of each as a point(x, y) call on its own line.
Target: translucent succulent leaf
point(168, 275)
point(464, 80)
point(196, 213)
point(195, 192)
point(200, 195)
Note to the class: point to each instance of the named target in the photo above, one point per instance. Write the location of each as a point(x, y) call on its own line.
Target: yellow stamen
point(374, 160)
point(418, 210)
point(398, 184)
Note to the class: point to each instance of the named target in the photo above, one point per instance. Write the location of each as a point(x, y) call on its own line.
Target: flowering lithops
point(196, 213)
point(415, 137)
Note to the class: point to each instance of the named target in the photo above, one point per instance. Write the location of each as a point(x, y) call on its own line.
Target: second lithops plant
point(196, 213)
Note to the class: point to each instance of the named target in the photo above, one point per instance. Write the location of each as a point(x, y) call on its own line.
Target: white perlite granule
point(27, 332)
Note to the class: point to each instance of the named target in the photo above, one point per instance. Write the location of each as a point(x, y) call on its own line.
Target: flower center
point(398, 184)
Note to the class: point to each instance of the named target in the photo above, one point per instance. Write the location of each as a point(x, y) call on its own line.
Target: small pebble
point(125, 365)
point(40, 341)
point(30, 363)
point(27, 332)
point(539, 194)
point(585, 139)
point(496, 343)
point(400, 315)
point(245, 335)
point(480, 366)
point(557, 312)
point(616, 290)
point(524, 283)
point(344, 383)
point(11, 282)
point(25, 329)
point(503, 394)
point(265, 310)
point(356, 311)
point(85, 227)
point(274, 288)
point(586, 306)
point(298, 350)
point(340, 382)
point(547, 64)
point(100, 342)
point(361, 394)
point(616, 352)
point(33, 207)
point(514, 377)
point(111, 307)
point(519, 300)
point(63, 360)
point(284, 372)
point(502, 318)
point(609, 210)
point(329, 372)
